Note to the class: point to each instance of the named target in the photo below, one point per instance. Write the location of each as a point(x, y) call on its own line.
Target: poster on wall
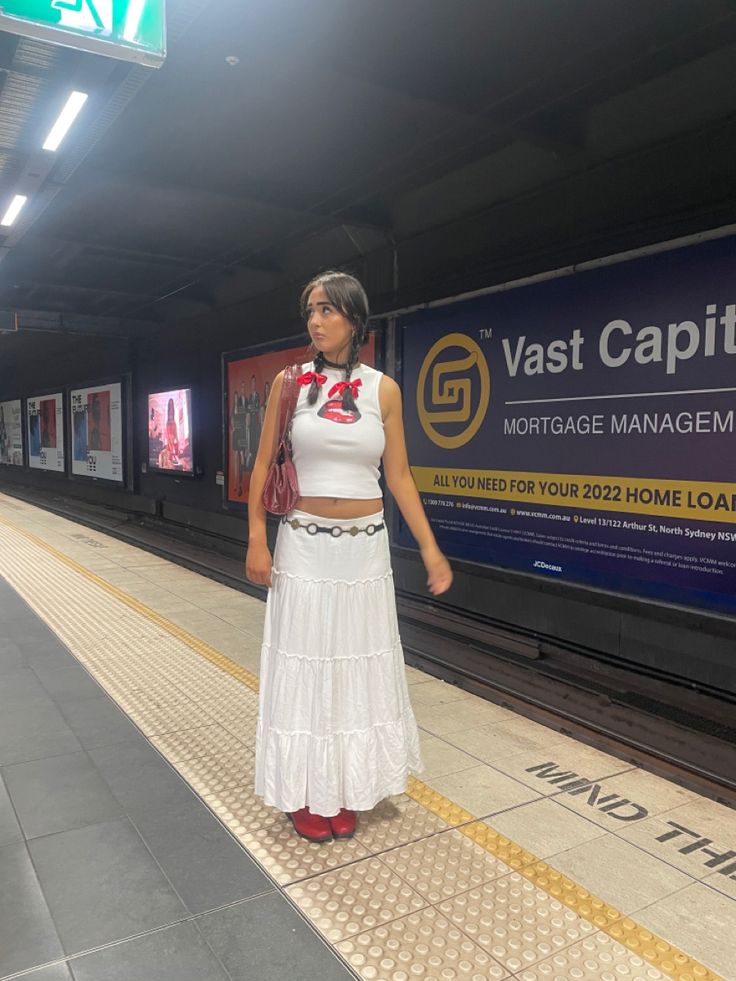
point(11, 433)
point(45, 417)
point(97, 432)
point(584, 428)
point(170, 431)
point(248, 383)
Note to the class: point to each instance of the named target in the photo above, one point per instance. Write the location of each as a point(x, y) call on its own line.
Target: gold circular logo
point(452, 386)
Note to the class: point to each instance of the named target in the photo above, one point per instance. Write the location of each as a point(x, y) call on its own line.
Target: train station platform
point(132, 845)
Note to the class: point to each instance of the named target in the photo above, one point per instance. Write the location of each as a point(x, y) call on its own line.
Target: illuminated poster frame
point(171, 427)
point(11, 433)
point(45, 432)
point(97, 447)
point(581, 428)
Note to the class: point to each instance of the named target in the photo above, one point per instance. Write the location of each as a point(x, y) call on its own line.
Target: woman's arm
point(401, 484)
point(258, 558)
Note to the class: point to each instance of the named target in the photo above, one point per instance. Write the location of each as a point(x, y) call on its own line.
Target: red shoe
point(343, 824)
point(310, 826)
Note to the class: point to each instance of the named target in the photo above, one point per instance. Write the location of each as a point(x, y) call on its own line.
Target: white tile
point(626, 801)
point(465, 713)
point(699, 838)
point(619, 873)
point(416, 677)
point(700, 922)
point(708, 818)
point(437, 693)
point(482, 790)
point(502, 740)
point(545, 828)
point(441, 758)
point(568, 760)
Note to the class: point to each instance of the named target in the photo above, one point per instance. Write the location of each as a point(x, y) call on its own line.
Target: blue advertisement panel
point(583, 428)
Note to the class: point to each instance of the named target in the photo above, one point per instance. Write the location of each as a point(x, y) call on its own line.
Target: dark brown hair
point(346, 294)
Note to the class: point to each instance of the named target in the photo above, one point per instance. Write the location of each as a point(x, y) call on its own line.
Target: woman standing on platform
point(336, 732)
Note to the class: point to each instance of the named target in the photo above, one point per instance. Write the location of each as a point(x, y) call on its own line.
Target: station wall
point(688, 643)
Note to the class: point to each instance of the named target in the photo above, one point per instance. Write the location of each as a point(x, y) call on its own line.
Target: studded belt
point(336, 531)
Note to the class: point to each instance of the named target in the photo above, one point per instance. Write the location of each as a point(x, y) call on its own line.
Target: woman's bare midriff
point(341, 508)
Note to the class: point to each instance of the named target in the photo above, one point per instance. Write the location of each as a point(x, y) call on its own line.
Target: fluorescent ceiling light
point(66, 117)
point(133, 20)
point(14, 210)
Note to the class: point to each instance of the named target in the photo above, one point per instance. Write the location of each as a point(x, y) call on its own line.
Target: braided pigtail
point(319, 363)
point(345, 294)
point(348, 400)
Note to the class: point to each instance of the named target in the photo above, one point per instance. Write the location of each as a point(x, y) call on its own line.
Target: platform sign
point(134, 30)
point(584, 428)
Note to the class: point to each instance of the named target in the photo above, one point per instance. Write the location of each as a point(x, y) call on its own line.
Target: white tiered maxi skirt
point(335, 726)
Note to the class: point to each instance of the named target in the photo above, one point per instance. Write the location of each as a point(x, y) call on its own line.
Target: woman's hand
point(258, 565)
point(439, 573)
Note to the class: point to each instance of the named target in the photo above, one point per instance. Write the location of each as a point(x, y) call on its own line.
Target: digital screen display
point(170, 431)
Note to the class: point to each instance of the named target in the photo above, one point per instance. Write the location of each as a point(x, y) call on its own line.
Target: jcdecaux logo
point(453, 391)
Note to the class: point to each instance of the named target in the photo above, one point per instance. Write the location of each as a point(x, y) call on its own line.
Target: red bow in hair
point(308, 377)
point(340, 387)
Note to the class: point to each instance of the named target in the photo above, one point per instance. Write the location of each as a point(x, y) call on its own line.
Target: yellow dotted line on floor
point(604, 917)
point(215, 657)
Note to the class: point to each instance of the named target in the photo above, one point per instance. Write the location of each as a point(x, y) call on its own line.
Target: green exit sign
point(134, 30)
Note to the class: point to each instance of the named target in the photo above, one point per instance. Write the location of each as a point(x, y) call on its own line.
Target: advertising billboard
point(170, 431)
point(248, 380)
point(11, 433)
point(584, 428)
point(96, 427)
point(45, 422)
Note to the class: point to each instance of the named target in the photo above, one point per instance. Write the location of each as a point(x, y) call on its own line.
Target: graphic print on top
point(333, 408)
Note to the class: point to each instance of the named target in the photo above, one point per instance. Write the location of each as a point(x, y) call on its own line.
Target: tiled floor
point(140, 851)
point(106, 855)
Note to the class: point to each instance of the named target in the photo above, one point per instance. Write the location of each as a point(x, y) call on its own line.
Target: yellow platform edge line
point(606, 918)
point(215, 657)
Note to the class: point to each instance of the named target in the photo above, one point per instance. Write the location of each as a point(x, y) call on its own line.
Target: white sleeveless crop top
point(338, 453)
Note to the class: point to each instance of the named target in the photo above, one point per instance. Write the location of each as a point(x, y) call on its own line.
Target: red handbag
point(281, 490)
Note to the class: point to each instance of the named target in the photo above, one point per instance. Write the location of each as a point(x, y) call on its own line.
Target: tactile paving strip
point(508, 851)
point(239, 715)
point(444, 865)
point(448, 810)
point(354, 899)
point(210, 741)
point(209, 683)
point(422, 945)
point(93, 617)
point(288, 858)
point(396, 821)
point(655, 950)
point(220, 773)
point(515, 922)
point(598, 958)
point(51, 598)
point(162, 710)
point(225, 783)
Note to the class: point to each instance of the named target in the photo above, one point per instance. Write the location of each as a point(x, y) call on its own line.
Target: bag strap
point(289, 396)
